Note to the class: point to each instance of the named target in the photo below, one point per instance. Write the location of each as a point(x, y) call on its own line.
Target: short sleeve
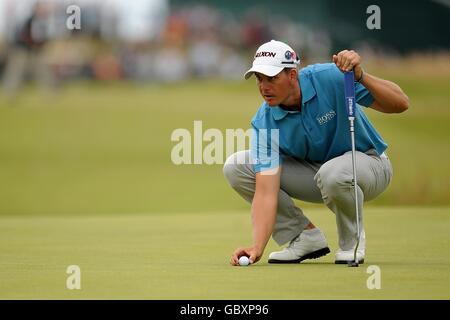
point(363, 96)
point(264, 152)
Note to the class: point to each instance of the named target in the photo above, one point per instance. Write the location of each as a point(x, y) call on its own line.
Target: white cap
point(272, 57)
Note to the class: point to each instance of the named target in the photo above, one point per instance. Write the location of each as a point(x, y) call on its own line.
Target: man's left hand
point(346, 60)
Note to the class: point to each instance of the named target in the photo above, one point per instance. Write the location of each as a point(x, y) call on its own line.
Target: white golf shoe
point(310, 244)
point(346, 256)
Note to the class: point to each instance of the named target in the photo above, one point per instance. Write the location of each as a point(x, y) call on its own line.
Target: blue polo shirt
point(320, 131)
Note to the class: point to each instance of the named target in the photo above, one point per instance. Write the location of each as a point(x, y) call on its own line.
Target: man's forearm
point(264, 210)
point(389, 97)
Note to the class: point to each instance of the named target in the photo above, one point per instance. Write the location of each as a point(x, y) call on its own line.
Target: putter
point(349, 85)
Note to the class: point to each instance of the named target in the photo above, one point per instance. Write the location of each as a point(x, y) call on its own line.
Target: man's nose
point(263, 85)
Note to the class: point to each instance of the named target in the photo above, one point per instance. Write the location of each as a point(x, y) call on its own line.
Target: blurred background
point(86, 114)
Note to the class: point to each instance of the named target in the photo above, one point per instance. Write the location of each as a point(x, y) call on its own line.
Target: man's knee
point(331, 179)
point(235, 166)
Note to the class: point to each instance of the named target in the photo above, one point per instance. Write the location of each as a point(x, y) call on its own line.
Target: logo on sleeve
point(326, 117)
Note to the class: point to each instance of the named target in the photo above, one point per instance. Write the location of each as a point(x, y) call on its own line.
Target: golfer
point(301, 149)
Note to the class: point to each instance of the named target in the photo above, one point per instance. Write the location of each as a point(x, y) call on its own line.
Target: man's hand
point(388, 96)
point(251, 252)
point(347, 60)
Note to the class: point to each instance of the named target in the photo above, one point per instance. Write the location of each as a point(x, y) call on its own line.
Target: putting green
point(185, 256)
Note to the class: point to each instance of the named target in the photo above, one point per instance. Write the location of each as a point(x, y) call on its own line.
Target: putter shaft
point(355, 185)
point(349, 88)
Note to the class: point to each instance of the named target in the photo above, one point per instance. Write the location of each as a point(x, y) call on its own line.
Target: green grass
point(96, 148)
point(186, 256)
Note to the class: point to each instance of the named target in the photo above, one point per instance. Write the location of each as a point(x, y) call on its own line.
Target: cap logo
point(289, 55)
point(265, 54)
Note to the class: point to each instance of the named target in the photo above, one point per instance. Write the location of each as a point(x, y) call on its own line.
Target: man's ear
point(293, 74)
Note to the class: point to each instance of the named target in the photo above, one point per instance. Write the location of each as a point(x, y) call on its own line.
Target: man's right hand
point(251, 252)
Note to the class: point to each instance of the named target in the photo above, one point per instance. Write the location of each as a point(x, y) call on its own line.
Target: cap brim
point(269, 71)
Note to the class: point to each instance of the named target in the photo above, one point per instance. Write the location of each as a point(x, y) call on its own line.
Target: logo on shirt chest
point(326, 117)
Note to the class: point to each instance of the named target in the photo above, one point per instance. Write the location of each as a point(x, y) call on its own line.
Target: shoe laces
point(293, 241)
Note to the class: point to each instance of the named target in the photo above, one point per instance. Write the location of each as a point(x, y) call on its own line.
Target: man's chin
point(272, 103)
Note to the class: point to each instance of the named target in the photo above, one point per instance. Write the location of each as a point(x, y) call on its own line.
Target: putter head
point(352, 264)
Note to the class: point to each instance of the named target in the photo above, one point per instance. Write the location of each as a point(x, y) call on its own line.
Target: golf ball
point(243, 261)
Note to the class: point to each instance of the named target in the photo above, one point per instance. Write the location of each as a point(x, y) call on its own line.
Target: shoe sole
point(313, 255)
point(346, 262)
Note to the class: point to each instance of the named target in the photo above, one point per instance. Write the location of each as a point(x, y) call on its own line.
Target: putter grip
point(349, 85)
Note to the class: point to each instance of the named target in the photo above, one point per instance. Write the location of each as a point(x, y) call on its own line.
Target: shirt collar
point(308, 92)
point(279, 113)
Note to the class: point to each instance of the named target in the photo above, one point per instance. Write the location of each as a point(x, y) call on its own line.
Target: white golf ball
point(243, 261)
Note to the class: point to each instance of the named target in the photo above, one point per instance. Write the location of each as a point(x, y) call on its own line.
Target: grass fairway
point(185, 256)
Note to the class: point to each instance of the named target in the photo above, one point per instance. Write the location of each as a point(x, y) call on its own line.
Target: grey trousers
point(329, 183)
